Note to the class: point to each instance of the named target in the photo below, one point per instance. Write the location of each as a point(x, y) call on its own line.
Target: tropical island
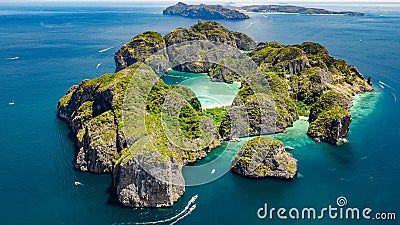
point(120, 125)
point(213, 12)
point(207, 12)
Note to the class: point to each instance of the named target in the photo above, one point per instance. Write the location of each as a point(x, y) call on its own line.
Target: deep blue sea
point(58, 46)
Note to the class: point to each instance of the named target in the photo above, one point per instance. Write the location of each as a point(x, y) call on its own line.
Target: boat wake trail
point(185, 212)
point(382, 85)
point(104, 50)
point(185, 215)
point(395, 97)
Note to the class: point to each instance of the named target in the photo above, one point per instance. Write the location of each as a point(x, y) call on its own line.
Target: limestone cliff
point(331, 126)
point(92, 112)
point(264, 157)
point(137, 188)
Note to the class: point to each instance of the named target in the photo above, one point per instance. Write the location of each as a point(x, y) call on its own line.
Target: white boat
point(98, 65)
point(11, 102)
point(104, 50)
point(13, 58)
point(289, 148)
point(212, 171)
point(193, 199)
point(77, 183)
point(235, 140)
point(192, 208)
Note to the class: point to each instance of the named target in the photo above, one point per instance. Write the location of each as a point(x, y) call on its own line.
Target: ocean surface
point(58, 46)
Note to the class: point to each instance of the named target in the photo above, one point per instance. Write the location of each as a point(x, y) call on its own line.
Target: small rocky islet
point(304, 80)
point(264, 157)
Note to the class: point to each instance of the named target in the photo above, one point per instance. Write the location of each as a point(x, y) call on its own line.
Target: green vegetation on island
point(304, 80)
point(202, 11)
point(264, 157)
point(133, 125)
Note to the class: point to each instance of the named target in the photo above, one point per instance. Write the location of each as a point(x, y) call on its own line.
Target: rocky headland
point(206, 12)
point(147, 166)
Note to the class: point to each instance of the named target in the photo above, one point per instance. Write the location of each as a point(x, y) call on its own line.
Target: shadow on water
point(112, 195)
point(342, 154)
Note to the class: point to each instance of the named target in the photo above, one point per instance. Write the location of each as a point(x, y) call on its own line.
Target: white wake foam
point(185, 215)
point(104, 50)
point(186, 211)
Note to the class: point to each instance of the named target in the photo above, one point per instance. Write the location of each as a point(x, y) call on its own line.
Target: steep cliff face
point(331, 126)
point(209, 12)
point(244, 42)
point(264, 157)
point(329, 118)
point(327, 101)
point(98, 145)
point(137, 188)
point(90, 108)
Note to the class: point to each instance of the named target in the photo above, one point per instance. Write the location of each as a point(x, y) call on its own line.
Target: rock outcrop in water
point(329, 118)
point(264, 157)
point(207, 12)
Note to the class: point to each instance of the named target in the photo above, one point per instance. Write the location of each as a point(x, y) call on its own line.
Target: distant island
point(304, 80)
point(208, 12)
point(292, 9)
point(229, 12)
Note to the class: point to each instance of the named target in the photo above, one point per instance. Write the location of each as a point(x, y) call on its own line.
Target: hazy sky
point(222, 2)
point(216, 1)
